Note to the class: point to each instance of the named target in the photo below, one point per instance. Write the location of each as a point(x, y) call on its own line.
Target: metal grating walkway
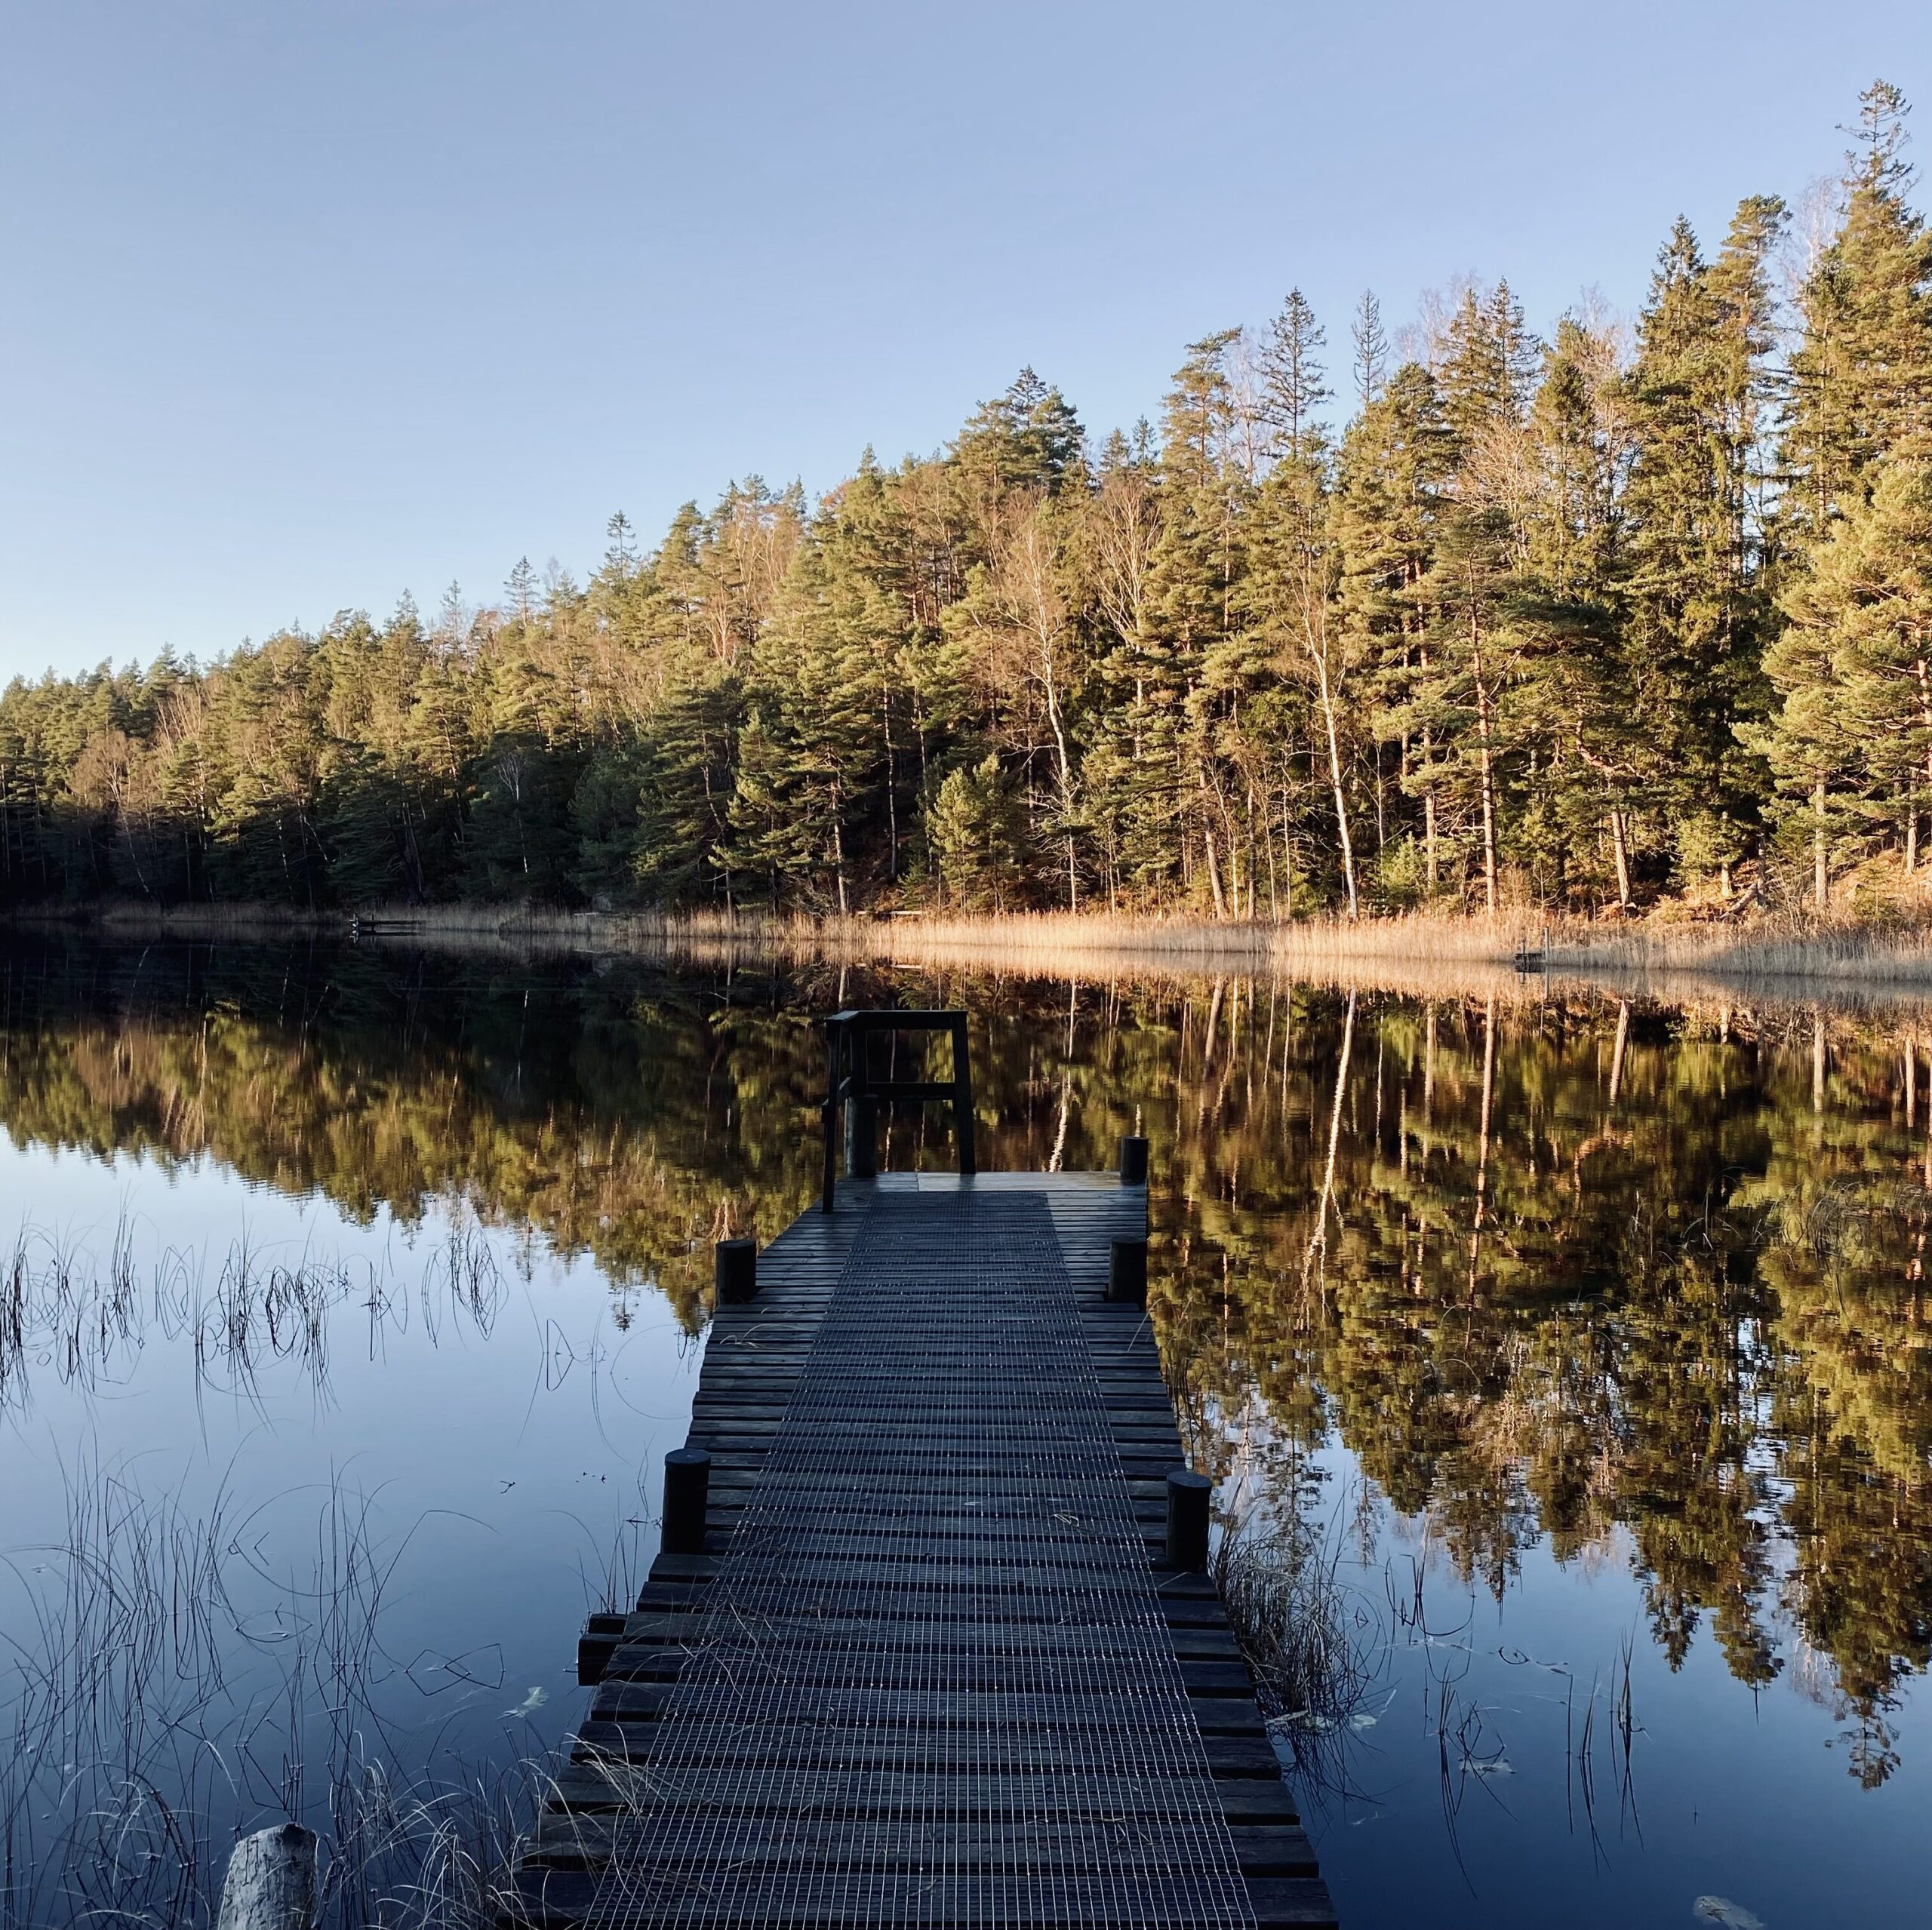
point(1012, 1748)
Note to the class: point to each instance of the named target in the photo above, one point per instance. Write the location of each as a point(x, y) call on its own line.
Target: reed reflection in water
point(1564, 1357)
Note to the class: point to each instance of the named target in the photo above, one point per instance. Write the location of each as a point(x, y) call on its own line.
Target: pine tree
point(1294, 384)
point(1371, 349)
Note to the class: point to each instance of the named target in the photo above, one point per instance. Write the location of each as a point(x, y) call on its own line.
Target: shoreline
point(1870, 956)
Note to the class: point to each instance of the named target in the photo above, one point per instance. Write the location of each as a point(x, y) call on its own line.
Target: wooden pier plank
point(992, 1760)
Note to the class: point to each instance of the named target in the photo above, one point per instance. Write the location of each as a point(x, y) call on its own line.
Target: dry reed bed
point(1429, 953)
point(168, 1690)
point(1770, 952)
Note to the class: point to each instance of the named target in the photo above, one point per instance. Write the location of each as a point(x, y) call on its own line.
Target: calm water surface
point(1585, 1345)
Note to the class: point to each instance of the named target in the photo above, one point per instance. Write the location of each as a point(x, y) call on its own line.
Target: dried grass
point(63, 1311)
point(1426, 952)
point(165, 1693)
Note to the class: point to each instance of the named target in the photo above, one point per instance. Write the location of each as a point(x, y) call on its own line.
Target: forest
point(1642, 611)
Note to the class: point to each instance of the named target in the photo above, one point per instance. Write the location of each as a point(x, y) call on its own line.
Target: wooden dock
point(932, 1666)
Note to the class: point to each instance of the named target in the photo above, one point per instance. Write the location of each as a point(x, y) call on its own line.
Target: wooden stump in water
point(271, 1881)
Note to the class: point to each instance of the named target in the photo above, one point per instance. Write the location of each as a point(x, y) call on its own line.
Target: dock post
point(861, 1137)
point(1188, 1496)
point(1133, 1159)
point(962, 1101)
point(734, 1264)
point(837, 1035)
point(1127, 1271)
point(687, 1494)
point(271, 1881)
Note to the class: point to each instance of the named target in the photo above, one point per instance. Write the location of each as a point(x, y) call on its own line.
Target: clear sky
point(306, 302)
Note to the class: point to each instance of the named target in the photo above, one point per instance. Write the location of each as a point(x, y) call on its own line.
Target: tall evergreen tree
point(1392, 482)
point(1195, 579)
point(1861, 375)
point(1695, 602)
point(1484, 382)
point(1855, 666)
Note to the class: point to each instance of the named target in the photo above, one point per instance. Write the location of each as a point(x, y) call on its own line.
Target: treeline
point(1630, 612)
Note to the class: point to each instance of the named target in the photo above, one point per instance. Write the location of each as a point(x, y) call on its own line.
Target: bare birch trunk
point(1214, 874)
point(1618, 840)
point(1335, 782)
point(838, 853)
point(1482, 1146)
point(1924, 670)
point(1317, 1244)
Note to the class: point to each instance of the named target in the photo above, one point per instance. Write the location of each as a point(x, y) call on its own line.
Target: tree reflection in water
point(1549, 1267)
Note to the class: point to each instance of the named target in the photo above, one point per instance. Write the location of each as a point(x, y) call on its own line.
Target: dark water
point(1586, 1343)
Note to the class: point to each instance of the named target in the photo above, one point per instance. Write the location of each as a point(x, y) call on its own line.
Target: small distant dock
point(931, 1640)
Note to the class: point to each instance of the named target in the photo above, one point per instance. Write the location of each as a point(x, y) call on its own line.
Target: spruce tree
point(1695, 598)
point(1292, 592)
point(1583, 765)
point(1484, 382)
point(1294, 386)
point(1028, 438)
point(1861, 397)
point(1856, 662)
point(1861, 376)
point(1371, 340)
point(1194, 582)
point(1391, 484)
point(806, 751)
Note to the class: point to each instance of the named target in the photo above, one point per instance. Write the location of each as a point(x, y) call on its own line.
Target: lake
point(1578, 1348)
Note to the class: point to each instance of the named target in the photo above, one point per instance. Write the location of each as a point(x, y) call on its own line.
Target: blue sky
point(305, 304)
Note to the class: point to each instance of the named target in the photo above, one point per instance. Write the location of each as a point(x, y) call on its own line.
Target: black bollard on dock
point(686, 1495)
point(1188, 1496)
point(1133, 1159)
point(1127, 1272)
point(735, 1264)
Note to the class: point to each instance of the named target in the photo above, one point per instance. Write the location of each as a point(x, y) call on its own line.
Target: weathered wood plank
point(860, 1805)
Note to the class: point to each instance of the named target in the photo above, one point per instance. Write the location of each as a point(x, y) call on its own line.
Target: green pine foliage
point(1586, 623)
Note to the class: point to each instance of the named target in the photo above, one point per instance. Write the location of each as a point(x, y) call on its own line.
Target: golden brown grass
point(1417, 947)
point(1419, 951)
point(1773, 951)
point(1423, 956)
